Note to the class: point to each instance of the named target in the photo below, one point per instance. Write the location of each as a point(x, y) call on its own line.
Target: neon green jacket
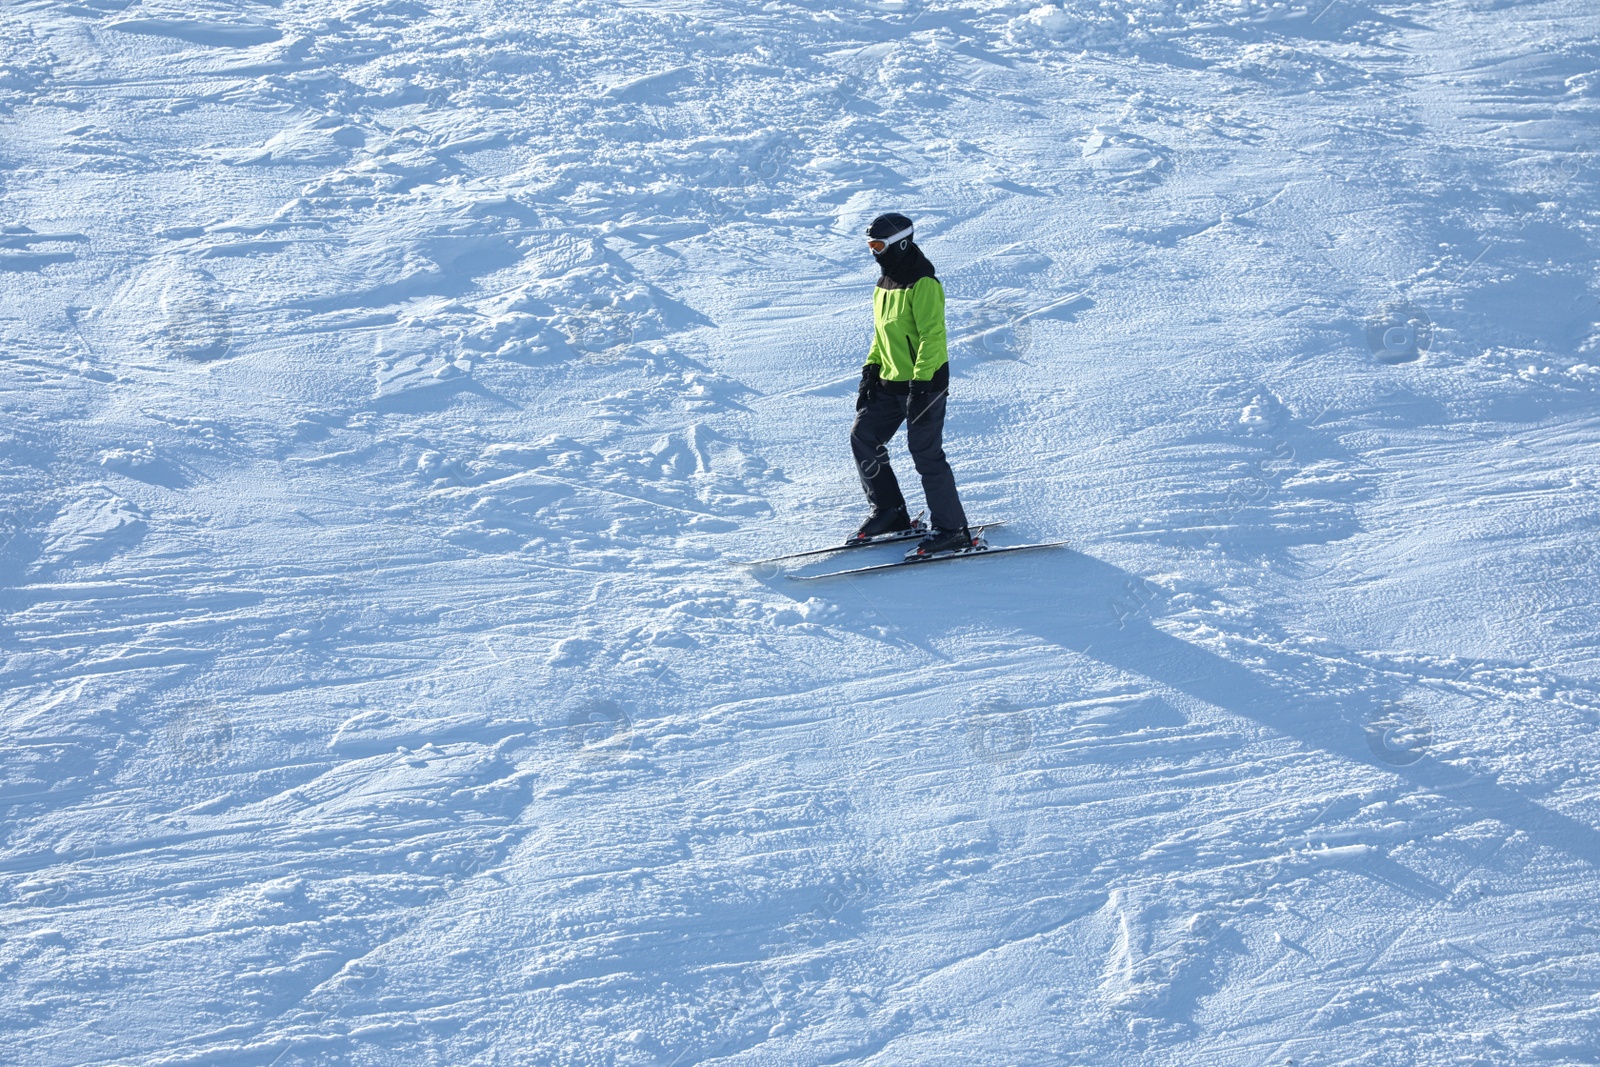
point(908, 336)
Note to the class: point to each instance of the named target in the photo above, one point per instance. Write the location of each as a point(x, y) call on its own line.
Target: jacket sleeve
point(875, 354)
point(927, 308)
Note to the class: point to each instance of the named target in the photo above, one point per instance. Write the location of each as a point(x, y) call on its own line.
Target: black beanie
point(888, 225)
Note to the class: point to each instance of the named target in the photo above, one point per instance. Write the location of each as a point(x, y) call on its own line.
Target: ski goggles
point(878, 244)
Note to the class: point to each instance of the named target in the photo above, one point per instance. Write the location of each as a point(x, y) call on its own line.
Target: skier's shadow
point(1092, 608)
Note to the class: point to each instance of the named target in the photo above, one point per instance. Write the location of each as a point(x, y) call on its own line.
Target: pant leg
point(874, 425)
point(925, 436)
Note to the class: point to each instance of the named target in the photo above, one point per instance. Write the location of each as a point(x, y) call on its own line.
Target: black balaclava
point(902, 263)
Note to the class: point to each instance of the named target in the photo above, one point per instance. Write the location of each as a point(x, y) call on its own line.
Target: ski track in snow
point(388, 385)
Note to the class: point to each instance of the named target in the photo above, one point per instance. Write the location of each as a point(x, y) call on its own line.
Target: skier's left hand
point(925, 396)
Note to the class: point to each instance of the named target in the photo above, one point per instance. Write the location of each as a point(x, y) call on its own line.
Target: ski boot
point(943, 543)
point(889, 525)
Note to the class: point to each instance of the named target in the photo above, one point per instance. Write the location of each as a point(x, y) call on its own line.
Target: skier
point(905, 380)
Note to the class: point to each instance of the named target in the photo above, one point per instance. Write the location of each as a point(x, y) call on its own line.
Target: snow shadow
point(1065, 599)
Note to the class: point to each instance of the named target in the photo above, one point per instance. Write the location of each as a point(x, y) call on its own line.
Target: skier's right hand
point(869, 386)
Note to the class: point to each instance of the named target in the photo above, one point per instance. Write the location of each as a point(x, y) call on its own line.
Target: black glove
point(925, 396)
point(869, 386)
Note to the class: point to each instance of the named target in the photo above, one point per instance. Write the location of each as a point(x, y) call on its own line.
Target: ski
point(916, 533)
point(970, 553)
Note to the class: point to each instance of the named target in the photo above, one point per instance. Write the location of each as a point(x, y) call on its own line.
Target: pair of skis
point(917, 531)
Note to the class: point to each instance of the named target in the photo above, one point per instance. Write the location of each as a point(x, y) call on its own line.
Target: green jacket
point(908, 337)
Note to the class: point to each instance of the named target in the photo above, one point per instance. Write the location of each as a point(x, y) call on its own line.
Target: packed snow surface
point(391, 389)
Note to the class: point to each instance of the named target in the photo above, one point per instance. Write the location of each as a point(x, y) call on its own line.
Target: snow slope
point(389, 388)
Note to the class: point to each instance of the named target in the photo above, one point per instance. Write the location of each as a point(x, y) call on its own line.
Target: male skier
point(906, 380)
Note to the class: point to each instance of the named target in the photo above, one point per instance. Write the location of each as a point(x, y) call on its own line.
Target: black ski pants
point(876, 422)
